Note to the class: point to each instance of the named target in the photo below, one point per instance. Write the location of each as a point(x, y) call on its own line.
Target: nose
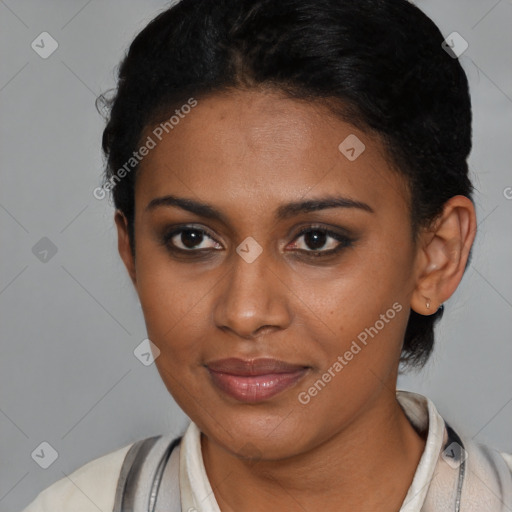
point(252, 299)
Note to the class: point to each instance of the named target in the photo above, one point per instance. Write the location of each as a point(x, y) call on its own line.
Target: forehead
point(254, 148)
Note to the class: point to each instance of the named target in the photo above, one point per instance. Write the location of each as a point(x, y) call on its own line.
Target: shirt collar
point(197, 494)
point(423, 415)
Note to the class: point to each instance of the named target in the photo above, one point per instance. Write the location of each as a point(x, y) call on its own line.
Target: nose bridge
point(252, 295)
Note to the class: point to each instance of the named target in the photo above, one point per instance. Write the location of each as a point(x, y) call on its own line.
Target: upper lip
point(262, 366)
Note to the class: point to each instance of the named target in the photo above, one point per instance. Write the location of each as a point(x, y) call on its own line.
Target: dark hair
point(378, 64)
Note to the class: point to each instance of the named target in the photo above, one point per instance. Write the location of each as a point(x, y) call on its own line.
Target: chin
point(269, 437)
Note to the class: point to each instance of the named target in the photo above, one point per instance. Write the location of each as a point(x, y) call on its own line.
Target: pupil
point(191, 238)
point(315, 239)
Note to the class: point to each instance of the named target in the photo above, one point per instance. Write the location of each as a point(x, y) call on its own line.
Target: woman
point(293, 207)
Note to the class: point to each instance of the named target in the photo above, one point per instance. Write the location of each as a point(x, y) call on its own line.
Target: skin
point(247, 153)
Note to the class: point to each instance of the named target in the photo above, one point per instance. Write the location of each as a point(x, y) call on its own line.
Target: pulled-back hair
point(378, 64)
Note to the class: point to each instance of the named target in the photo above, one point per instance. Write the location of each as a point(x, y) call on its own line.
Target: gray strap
point(137, 451)
point(140, 476)
point(454, 437)
point(169, 496)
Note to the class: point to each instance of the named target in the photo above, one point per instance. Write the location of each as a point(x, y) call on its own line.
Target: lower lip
point(255, 388)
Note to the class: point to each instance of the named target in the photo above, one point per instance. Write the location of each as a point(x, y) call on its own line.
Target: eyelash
point(344, 241)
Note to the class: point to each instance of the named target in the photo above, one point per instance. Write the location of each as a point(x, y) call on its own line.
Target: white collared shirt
point(487, 479)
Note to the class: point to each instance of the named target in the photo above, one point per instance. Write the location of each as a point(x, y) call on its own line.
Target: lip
point(254, 380)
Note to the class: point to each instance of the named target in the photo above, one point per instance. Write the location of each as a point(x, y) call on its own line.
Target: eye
point(190, 239)
point(319, 241)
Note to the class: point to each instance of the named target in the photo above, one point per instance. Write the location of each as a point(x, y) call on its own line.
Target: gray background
point(69, 326)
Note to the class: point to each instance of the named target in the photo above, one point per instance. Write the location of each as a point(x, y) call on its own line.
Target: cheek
point(365, 328)
point(172, 303)
point(359, 315)
point(355, 365)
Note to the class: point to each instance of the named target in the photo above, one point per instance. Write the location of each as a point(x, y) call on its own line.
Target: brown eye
point(315, 239)
point(320, 241)
point(190, 239)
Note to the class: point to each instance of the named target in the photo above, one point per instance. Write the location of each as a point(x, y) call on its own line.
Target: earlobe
point(123, 244)
point(444, 252)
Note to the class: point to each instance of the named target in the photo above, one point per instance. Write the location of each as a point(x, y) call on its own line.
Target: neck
point(380, 450)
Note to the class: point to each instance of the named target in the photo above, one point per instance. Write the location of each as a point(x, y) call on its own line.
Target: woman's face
point(241, 281)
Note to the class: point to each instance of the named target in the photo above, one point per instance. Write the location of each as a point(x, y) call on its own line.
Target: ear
point(443, 254)
point(123, 245)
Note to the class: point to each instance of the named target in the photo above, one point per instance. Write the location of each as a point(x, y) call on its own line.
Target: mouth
point(254, 380)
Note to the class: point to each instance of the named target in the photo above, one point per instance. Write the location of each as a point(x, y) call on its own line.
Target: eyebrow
point(283, 212)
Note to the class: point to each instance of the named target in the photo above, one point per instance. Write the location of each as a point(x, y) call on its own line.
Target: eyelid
point(338, 231)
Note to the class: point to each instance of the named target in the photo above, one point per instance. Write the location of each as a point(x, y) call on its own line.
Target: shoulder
point(481, 474)
point(489, 477)
point(484, 459)
point(90, 488)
